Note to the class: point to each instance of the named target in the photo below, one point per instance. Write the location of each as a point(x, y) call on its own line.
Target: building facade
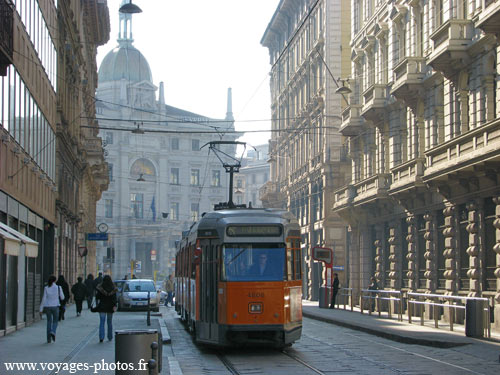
point(423, 133)
point(309, 52)
point(161, 177)
point(253, 174)
point(41, 141)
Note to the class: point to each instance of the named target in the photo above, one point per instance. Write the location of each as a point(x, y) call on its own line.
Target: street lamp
point(130, 8)
point(344, 89)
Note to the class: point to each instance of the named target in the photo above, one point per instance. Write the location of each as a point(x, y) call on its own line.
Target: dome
point(125, 61)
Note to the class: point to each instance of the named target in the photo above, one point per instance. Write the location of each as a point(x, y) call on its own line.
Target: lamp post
point(130, 8)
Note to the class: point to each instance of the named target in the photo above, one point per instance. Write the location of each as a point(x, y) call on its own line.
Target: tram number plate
point(256, 295)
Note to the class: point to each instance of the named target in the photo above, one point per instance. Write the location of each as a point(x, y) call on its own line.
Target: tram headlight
point(255, 308)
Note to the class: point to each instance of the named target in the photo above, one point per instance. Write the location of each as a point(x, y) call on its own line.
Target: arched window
point(143, 168)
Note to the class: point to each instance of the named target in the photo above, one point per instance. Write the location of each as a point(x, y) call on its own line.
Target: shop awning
point(30, 245)
point(12, 244)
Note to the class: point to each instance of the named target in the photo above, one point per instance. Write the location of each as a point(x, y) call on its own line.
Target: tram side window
point(294, 259)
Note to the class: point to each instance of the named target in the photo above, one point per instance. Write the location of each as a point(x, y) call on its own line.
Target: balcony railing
point(371, 188)
point(479, 144)
point(489, 18)
point(451, 41)
point(352, 122)
point(407, 175)
point(344, 196)
point(374, 101)
point(408, 76)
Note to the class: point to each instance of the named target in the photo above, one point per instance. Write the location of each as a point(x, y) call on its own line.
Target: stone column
point(496, 248)
point(474, 272)
point(394, 256)
point(450, 247)
point(411, 255)
point(379, 257)
point(430, 253)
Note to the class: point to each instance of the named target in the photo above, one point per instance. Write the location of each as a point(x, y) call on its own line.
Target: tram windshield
point(253, 262)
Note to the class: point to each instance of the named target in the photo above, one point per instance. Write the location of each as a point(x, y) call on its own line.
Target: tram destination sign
point(253, 231)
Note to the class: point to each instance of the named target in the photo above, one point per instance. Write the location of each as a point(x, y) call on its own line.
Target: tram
point(239, 280)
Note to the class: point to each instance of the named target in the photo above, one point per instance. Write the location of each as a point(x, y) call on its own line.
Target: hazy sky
point(199, 48)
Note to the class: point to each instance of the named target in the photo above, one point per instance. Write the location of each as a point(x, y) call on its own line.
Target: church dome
point(125, 61)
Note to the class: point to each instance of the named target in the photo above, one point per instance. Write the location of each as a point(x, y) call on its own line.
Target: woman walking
point(106, 305)
point(52, 293)
point(65, 298)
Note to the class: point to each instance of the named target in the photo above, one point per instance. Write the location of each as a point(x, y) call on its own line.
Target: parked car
point(163, 294)
point(134, 295)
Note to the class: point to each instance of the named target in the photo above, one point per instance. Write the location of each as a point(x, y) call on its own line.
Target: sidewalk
point(405, 332)
point(77, 341)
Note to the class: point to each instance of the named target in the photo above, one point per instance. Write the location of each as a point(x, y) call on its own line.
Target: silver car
point(134, 295)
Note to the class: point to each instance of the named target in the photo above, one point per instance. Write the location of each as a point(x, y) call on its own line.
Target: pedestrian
point(89, 283)
point(373, 286)
point(98, 280)
point(65, 288)
point(169, 288)
point(106, 305)
point(79, 291)
point(126, 277)
point(335, 289)
point(52, 294)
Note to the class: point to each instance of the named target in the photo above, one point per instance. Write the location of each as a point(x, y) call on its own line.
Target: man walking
point(79, 291)
point(169, 288)
point(335, 289)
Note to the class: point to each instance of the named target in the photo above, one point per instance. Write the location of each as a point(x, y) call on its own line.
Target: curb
point(164, 332)
point(388, 335)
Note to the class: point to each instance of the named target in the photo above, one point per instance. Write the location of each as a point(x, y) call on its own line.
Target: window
point(137, 205)
point(239, 183)
point(195, 145)
point(175, 143)
point(254, 179)
point(174, 211)
point(215, 178)
point(195, 177)
point(174, 176)
point(109, 138)
point(108, 208)
point(195, 210)
point(110, 171)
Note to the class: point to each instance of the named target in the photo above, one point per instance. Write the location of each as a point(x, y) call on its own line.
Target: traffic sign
point(97, 236)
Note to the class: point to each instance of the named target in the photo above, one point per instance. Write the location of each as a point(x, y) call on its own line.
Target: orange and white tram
point(239, 281)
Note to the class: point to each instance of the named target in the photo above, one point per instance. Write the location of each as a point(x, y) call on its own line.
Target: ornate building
point(308, 48)
point(423, 131)
point(161, 179)
point(47, 82)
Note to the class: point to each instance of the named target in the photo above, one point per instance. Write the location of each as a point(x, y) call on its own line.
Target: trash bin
point(134, 349)
point(324, 297)
point(474, 318)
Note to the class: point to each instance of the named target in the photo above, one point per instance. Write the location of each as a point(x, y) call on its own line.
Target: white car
point(134, 295)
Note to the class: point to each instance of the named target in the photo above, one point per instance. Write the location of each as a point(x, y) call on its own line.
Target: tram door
point(208, 296)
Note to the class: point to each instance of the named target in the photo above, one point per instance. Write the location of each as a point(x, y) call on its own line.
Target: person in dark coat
point(89, 283)
point(335, 289)
point(79, 291)
point(98, 280)
point(373, 286)
point(106, 305)
point(65, 288)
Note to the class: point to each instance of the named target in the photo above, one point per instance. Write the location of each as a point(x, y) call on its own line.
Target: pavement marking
point(77, 349)
point(408, 352)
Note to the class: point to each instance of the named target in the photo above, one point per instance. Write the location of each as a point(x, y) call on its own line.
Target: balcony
point(451, 41)
point(270, 195)
point(374, 100)
point(467, 151)
point(408, 76)
point(489, 18)
point(6, 35)
point(407, 176)
point(352, 122)
point(343, 197)
point(372, 188)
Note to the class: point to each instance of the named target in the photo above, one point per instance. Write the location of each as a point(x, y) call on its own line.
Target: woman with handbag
point(52, 294)
point(65, 288)
point(106, 305)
